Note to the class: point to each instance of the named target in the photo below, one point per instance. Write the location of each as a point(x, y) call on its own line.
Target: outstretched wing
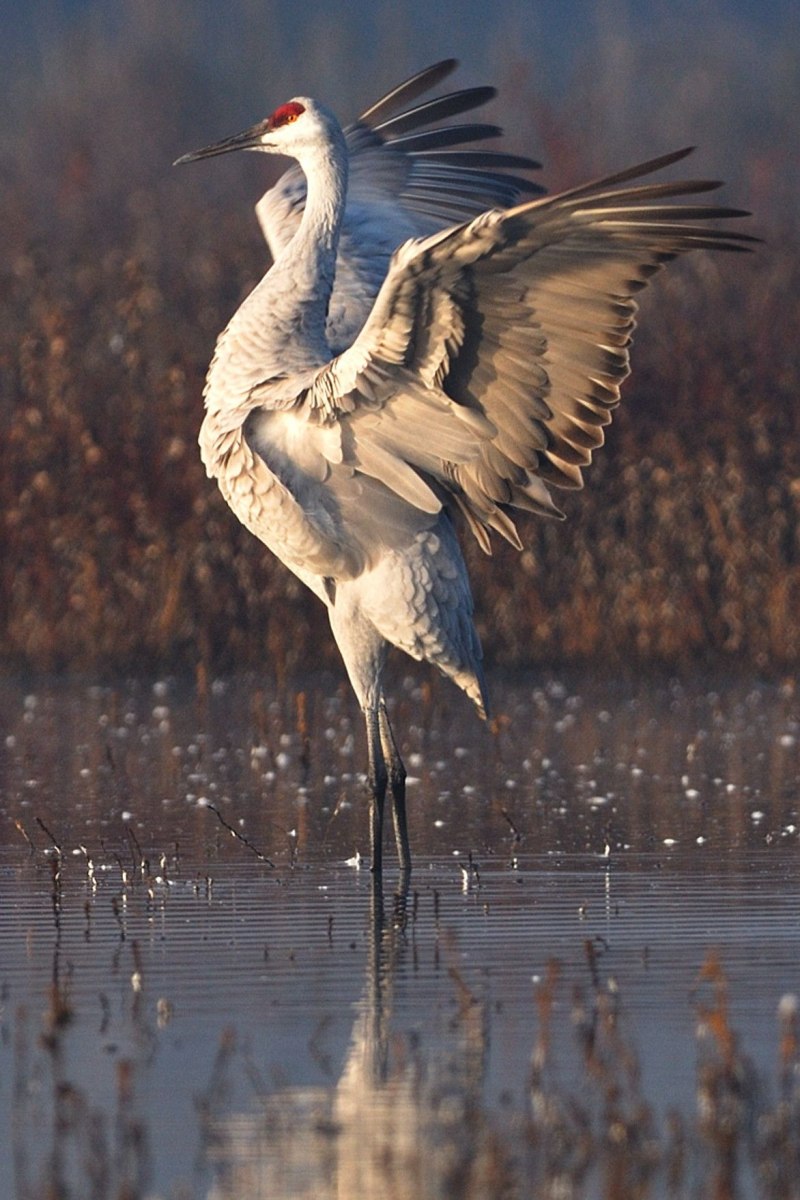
point(495, 350)
point(406, 180)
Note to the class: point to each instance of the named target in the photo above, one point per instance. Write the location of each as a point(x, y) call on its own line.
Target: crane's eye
point(285, 115)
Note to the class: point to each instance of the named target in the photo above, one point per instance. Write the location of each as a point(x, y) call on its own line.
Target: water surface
point(204, 996)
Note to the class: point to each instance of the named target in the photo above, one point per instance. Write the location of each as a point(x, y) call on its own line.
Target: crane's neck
point(303, 273)
point(326, 184)
point(279, 332)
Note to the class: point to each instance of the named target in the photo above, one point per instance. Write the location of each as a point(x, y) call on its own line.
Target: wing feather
point(376, 459)
point(522, 319)
point(409, 89)
point(405, 181)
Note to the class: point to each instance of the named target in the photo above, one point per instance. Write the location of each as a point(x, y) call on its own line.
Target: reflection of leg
point(377, 917)
point(400, 909)
point(397, 779)
point(377, 787)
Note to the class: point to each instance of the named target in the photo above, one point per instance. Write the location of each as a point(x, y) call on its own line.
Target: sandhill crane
point(427, 343)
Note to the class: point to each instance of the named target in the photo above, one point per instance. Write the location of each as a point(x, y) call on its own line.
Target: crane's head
point(296, 128)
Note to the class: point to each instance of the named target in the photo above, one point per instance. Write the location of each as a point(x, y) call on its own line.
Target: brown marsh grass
point(116, 552)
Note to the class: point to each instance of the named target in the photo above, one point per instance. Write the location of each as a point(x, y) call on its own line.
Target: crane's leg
point(377, 785)
point(397, 780)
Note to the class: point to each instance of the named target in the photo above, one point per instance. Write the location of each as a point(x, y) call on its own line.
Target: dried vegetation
point(116, 552)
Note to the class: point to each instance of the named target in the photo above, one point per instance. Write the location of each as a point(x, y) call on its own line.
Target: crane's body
point(423, 344)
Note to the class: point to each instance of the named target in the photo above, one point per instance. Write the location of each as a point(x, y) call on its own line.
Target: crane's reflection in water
point(400, 1121)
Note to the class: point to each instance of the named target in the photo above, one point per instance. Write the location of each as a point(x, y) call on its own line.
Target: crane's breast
point(297, 529)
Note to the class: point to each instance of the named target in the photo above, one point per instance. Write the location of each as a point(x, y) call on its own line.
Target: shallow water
point(202, 994)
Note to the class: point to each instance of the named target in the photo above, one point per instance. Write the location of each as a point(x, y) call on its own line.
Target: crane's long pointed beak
point(250, 139)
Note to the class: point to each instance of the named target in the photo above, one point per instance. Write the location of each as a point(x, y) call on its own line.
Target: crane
point(435, 340)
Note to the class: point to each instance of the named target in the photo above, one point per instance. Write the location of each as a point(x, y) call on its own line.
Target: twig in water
point(44, 828)
point(21, 829)
point(117, 911)
point(517, 835)
point(143, 866)
point(235, 833)
point(470, 874)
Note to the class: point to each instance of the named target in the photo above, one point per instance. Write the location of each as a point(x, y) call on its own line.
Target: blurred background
point(117, 554)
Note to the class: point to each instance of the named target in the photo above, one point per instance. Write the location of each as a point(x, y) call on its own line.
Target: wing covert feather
point(523, 318)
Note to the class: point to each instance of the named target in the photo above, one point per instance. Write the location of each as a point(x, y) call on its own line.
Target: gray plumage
point(427, 341)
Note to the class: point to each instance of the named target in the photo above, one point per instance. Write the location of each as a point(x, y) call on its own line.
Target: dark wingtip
point(409, 89)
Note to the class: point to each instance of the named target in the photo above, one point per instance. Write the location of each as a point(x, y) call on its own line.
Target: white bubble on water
point(788, 1006)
